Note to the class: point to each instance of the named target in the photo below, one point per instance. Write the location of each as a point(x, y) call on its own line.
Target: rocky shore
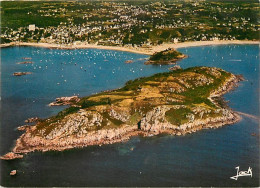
point(11, 156)
point(140, 108)
point(32, 120)
point(175, 67)
point(162, 62)
point(65, 101)
point(29, 143)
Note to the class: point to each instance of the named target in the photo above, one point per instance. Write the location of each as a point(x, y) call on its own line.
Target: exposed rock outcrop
point(32, 120)
point(21, 73)
point(13, 172)
point(10, 156)
point(65, 101)
point(177, 103)
point(175, 67)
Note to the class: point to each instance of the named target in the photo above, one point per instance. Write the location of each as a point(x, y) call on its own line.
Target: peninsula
point(176, 102)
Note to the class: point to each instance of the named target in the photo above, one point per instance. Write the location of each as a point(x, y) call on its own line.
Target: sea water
point(204, 158)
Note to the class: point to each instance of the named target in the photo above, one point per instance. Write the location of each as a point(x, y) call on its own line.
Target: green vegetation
point(135, 23)
point(67, 111)
point(167, 56)
point(185, 94)
point(177, 116)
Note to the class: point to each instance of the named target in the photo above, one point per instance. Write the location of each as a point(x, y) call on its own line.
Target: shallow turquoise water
point(205, 158)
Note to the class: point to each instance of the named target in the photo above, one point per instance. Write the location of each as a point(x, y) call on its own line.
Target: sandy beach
point(79, 46)
point(201, 43)
point(144, 50)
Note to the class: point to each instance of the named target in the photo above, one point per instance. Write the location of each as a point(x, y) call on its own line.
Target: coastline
point(81, 46)
point(29, 142)
point(104, 137)
point(147, 51)
point(42, 145)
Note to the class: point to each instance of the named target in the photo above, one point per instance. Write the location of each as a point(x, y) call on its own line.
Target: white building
point(32, 27)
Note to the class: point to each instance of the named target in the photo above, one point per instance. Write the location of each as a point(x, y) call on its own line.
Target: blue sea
point(204, 158)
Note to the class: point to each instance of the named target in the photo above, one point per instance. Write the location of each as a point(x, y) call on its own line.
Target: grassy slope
point(190, 90)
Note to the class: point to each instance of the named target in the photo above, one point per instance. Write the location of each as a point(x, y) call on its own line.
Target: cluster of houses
point(110, 22)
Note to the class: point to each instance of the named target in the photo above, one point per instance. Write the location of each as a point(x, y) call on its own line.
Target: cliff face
point(177, 102)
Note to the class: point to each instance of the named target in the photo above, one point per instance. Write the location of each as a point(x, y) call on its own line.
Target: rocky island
point(165, 57)
point(177, 102)
point(21, 73)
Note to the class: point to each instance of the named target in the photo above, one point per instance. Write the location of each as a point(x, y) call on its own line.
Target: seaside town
point(127, 23)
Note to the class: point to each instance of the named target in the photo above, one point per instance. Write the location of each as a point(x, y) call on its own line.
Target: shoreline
point(73, 143)
point(29, 142)
point(146, 51)
point(38, 144)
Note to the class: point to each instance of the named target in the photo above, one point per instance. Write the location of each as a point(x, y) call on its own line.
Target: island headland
point(176, 102)
point(165, 57)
